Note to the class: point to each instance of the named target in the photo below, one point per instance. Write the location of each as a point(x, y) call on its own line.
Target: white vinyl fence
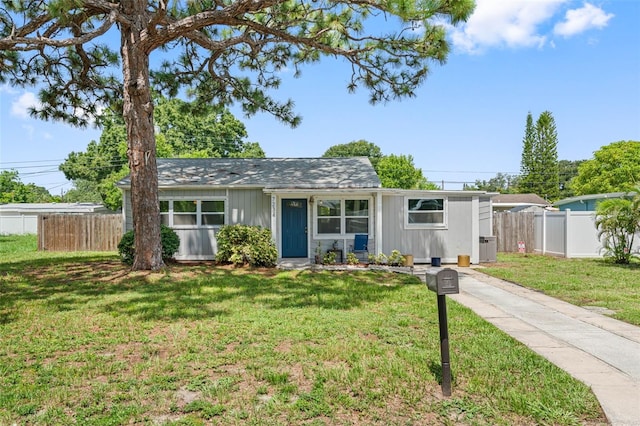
point(11, 224)
point(569, 234)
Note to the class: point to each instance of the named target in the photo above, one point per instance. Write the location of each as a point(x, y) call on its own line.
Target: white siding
point(423, 244)
point(486, 221)
point(249, 207)
point(243, 206)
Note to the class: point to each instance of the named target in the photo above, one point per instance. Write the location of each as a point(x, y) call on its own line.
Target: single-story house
point(519, 202)
point(313, 204)
point(22, 218)
point(586, 203)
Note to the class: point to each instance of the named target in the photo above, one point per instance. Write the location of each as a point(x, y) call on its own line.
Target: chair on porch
point(360, 249)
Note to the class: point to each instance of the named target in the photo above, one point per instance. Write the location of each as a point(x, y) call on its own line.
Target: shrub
point(329, 258)
point(380, 259)
point(352, 259)
point(396, 259)
point(170, 244)
point(244, 244)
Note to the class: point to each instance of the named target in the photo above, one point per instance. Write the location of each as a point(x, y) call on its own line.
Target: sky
point(580, 60)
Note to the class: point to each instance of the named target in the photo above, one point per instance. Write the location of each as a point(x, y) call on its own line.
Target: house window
point(356, 216)
point(185, 213)
point(164, 213)
point(426, 212)
point(212, 213)
point(342, 216)
point(329, 216)
point(192, 213)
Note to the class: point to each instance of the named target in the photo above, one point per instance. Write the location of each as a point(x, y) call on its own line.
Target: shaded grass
point(85, 341)
point(582, 282)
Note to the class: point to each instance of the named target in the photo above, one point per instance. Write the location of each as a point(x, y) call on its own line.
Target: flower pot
point(408, 260)
point(463, 260)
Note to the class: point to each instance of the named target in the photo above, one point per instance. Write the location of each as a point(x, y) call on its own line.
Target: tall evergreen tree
point(539, 164)
point(546, 143)
point(527, 164)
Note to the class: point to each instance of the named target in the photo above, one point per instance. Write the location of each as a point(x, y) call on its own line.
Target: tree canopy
point(180, 132)
point(360, 148)
point(394, 171)
point(217, 52)
point(503, 183)
point(567, 170)
point(12, 190)
point(398, 171)
point(613, 168)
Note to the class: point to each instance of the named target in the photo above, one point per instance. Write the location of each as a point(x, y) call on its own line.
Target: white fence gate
point(569, 234)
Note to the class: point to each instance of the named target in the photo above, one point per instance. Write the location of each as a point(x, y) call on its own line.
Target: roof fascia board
point(591, 197)
point(316, 191)
point(393, 191)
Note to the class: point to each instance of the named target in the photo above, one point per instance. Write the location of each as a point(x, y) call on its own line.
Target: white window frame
point(198, 211)
point(343, 216)
point(445, 213)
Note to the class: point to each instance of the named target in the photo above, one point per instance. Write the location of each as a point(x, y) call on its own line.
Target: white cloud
point(577, 21)
point(5, 88)
point(523, 24)
point(20, 107)
point(499, 23)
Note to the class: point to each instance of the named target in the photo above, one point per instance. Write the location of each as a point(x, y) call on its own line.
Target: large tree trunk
point(138, 116)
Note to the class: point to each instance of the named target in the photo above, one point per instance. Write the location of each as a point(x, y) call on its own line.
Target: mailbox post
point(443, 282)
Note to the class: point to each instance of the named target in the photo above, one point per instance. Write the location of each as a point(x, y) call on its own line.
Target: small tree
point(618, 220)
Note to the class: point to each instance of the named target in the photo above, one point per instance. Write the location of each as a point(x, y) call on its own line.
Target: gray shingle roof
point(532, 199)
point(272, 173)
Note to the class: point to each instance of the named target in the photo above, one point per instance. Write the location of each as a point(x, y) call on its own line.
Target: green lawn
point(582, 282)
point(86, 342)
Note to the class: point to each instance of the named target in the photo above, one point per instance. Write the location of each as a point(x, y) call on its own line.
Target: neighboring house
point(22, 218)
point(585, 203)
point(519, 202)
point(311, 203)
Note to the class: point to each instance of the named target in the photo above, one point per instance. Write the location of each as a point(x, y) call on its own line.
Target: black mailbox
point(444, 281)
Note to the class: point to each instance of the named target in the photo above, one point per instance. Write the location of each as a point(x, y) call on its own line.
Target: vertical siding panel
point(426, 243)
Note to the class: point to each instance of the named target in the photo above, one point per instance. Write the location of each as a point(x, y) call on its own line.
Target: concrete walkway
point(602, 352)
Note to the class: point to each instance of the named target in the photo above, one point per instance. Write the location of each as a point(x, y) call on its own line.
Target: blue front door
point(294, 228)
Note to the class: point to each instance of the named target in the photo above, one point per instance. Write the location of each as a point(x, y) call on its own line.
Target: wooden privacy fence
point(510, 228)
point(79, 232)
